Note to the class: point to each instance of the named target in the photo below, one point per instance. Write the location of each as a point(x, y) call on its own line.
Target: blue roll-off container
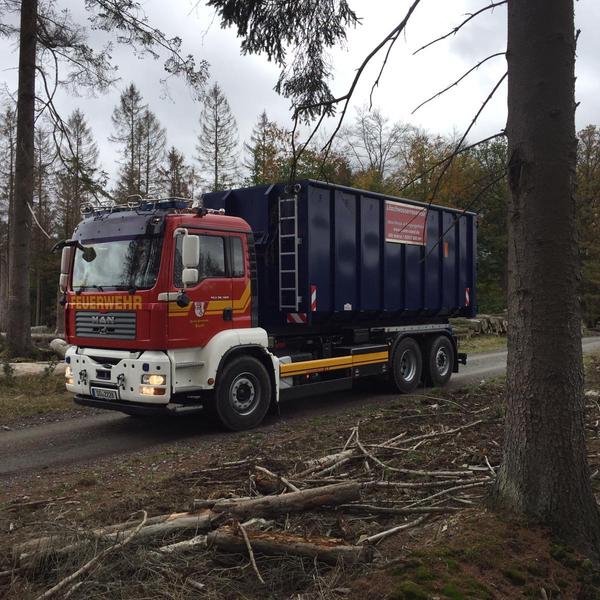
point(347, 273)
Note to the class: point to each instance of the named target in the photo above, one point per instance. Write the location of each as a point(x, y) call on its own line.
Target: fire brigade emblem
point(199, 308)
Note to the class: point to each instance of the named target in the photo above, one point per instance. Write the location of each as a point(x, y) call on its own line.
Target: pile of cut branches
point(324, 513)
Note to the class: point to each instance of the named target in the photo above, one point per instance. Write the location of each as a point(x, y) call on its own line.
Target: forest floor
point(438, 453)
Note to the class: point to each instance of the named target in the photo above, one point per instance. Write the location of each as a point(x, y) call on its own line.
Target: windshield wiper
point(83, 288)
point(130, 288)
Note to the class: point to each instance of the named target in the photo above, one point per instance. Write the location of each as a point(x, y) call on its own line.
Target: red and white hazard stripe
point(467, 296)
point(297, 318)
point(313, 298)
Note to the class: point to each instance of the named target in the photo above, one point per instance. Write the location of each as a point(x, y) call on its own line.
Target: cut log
point(162, 525)
point(268, 482)
point(329, 495)
point(59, 347)
point(329, 550)
point(198, 541)
point(325, 461)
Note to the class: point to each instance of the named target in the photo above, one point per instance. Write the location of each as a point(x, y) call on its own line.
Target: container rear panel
point(349, 273)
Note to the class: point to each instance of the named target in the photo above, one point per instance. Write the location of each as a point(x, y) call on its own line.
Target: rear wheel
point(440, 361)
point(407, 365)
point(243, 394)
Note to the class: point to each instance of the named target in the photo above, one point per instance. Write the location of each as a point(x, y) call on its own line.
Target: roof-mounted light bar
point(138, 204)
point(202, 211)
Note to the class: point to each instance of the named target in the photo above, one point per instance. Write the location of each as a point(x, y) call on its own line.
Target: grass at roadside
point(482, 343)
point(32, 395)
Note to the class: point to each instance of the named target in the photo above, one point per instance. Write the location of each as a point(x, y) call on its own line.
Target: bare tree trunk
point(545, 473)
point(3, 291)
point(19, 317)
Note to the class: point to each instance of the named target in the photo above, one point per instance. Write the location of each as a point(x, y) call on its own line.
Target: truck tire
point(439, 356)
point(407, 365)
point(243, 394)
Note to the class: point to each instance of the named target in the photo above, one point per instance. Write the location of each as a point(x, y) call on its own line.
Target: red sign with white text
point(405, 223)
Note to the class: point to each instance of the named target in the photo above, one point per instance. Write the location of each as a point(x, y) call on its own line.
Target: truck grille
point(109, 325)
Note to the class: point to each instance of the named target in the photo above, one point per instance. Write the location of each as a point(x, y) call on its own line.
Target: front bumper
point(119, 373)
point(138, 408)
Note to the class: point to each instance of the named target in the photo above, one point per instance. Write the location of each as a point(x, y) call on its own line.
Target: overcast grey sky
point(248, 81)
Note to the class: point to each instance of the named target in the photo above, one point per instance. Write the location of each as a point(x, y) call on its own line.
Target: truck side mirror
point(63, 281)
point(189, 277)
point(65, 263)
point(190, 252)
point(65, 259)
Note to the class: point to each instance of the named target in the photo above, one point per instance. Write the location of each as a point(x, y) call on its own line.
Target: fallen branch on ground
point(329, 550)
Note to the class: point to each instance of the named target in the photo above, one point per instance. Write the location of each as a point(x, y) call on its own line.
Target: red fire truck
point(262, 293)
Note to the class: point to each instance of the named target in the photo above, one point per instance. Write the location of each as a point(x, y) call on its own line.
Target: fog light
point(154, 379)
point(148, 390)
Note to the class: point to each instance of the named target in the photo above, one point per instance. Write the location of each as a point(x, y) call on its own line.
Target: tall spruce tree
point(127, 122)
point(175, 176)
point(588, 212)
point(263, 151)
point(153, 140)
point(44, 212)
point(79, 176)
point(217, 141)
point(8, 133)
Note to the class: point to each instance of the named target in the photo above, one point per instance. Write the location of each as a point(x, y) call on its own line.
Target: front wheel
point(407, 364)
point(440, 361)
point(243, 394)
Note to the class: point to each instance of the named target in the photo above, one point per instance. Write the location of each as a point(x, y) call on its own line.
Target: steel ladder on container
point(289, 299)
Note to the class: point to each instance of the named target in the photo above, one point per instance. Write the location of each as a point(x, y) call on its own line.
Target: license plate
point(104, 394)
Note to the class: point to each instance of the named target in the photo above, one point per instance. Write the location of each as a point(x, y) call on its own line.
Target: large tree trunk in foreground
point(19, 317)
point(545, 474)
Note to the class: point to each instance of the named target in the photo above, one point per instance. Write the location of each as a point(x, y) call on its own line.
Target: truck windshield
point(120, 264)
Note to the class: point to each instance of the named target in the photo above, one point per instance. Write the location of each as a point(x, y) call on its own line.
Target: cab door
point(241, 289)
point(211, 306)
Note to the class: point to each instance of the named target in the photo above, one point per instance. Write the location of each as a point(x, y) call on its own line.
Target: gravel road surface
point(85, 439)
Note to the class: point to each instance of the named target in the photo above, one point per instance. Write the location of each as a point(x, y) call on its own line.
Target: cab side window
point(237, 257)
point(212, 259)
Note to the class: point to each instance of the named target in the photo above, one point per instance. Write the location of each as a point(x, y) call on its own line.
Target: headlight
point(148, 390)
point(154, 379)
point(68, 372)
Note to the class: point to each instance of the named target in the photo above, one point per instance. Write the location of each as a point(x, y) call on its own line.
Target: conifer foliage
point(217, 141)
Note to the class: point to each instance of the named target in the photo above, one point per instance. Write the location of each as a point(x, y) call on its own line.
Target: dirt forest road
point(84, 439)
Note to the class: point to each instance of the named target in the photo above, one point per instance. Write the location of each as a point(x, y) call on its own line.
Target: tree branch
point(464, 137)
point(457, 81)
point(468, 207)
point(450, 156)
point(459, 27)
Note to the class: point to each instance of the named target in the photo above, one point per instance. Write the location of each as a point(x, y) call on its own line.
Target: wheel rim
point(442, 361)
point(408, 365)
point(244, 393)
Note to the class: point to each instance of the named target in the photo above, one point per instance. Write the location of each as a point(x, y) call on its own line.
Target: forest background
point(372, 152)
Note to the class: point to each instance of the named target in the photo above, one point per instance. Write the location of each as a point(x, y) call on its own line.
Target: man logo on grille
point(102, 323)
